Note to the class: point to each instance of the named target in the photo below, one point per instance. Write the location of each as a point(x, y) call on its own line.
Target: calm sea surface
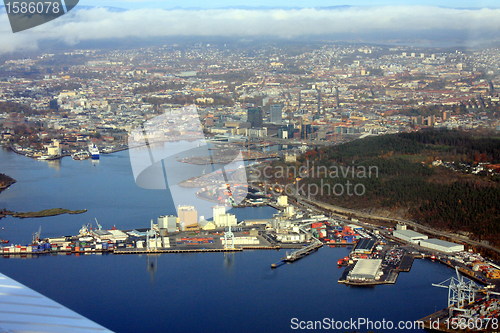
point(182, 292)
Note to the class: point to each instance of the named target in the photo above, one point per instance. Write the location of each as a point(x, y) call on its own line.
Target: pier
point(299, 254)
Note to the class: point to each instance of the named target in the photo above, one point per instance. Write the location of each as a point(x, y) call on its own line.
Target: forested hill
point(448, 196)
point(459, 145)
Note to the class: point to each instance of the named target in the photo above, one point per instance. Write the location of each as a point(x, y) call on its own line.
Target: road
point(414, 224)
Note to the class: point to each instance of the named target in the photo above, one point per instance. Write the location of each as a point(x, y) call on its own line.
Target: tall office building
point(254, 117)
point(276, 113)
point(188, 216)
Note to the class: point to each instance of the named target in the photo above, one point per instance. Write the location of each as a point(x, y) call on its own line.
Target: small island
point(42, 213)
point(5, 181)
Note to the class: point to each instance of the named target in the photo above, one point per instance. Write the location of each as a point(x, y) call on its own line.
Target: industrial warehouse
point(365, 246)
point(366, 269)
point(441, 245)
point(408, 235)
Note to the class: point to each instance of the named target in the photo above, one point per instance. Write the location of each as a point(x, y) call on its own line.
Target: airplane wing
point(24, 310)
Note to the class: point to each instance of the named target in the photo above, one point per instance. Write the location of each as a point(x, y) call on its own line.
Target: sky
point(385, 21)
point(168, 4)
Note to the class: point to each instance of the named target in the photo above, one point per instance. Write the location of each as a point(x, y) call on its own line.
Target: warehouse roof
point(440, 242)
point(366, 267)
point(365, 244)
point(409, 233)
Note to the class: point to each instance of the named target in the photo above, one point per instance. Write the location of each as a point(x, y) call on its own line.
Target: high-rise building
point(188, 216)
point(168, 222)
point(276, 113)
point(254, 117)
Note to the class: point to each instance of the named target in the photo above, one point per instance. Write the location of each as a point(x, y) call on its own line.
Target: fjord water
point(182, 292)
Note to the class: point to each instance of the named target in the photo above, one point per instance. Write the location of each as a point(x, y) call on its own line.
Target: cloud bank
point(370, 22)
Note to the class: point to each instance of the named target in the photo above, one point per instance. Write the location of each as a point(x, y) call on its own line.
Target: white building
point(366, 269)
point(168, 222)
point(441, 245)
point(246, 240)
point(225, 220)
point(409, 235)
point(283, 201)
point(218, 210)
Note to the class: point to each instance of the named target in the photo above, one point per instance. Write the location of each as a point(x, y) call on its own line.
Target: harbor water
point(203, 292)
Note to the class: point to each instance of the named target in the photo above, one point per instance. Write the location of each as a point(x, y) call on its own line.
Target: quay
point(301, 253)
point(166, 250)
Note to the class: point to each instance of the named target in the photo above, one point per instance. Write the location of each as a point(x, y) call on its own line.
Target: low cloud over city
point(410, 23)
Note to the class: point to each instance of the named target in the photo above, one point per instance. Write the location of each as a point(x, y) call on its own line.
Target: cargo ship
point(94, 151)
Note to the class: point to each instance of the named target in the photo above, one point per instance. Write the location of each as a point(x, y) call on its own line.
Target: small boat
point(81, 155)
point(48, 157)
point(4, 241)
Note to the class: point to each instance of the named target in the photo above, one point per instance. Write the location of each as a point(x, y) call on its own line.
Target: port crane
point(228, 239)
point(99, 227)
point(36, 235)
point(461, 291)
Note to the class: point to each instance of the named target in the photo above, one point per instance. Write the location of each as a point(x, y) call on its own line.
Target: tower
point(276, 113)
point(188, 216)
point(254, 117)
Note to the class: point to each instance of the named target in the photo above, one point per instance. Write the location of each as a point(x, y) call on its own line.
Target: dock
point(168, 250)
point(406, 263)
point(299, 254)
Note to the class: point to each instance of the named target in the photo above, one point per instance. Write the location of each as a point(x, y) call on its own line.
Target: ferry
point(94, 151)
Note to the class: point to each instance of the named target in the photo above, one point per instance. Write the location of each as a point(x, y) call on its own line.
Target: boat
point(4, 241)
point(81, 155)
point(94, 151)
point(48, 157)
